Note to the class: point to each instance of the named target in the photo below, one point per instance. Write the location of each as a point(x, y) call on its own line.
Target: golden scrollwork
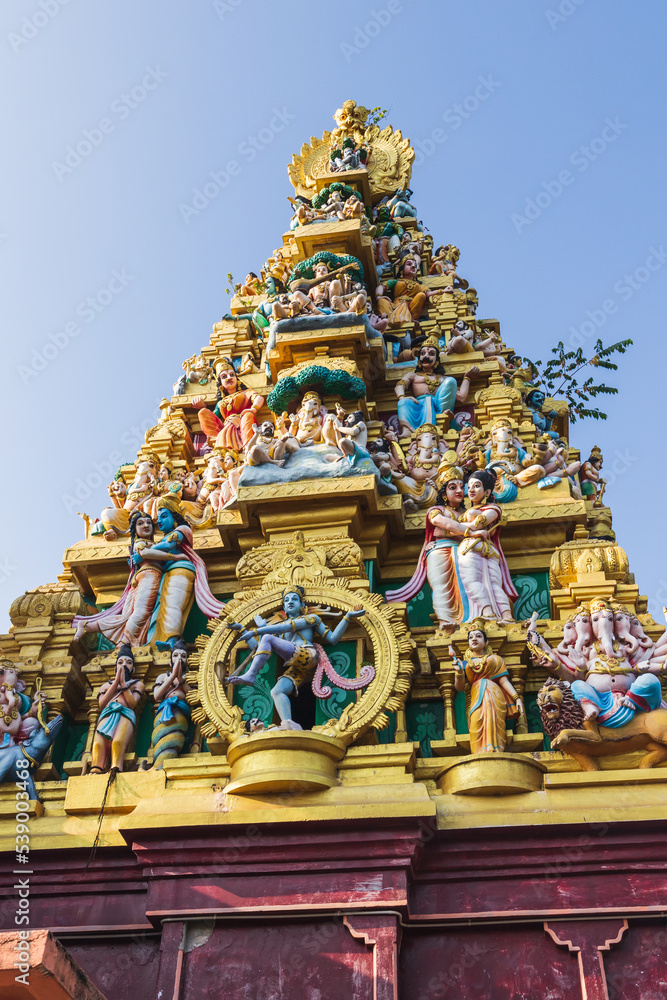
point(384, 625)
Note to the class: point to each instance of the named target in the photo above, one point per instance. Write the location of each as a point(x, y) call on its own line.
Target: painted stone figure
point(461, 557)
point(265, 448)
point(128, 620)
point(173, 714)
point(535, 401)
point(613, 679)
point(19, 714)
point(231, 424)
point(461, 340)
point(294, 637)
point(403, 299)
point(115, 521)
point(484, 571)
point(399, 205)
point(348, 156)
point(165, 578)
point(493, 698)
point(347, 432)
point(427, 391)
point(20, 760)
point(592, 483)
point(504, 453)
point(117, 721)
point(438, 561)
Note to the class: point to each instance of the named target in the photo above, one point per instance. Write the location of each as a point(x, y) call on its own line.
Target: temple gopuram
point(349, 690)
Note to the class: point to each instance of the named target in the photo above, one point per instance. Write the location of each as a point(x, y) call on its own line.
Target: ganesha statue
point(608, 671)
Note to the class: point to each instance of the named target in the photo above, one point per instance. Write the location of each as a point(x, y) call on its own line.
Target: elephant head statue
point(623, 629)
point(602, 624)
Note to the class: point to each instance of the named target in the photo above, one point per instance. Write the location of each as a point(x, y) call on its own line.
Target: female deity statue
point(492, 695)
point(482, 564)
point(164, 579)
point(293, 637)
point(232, 423)
point(461, 557)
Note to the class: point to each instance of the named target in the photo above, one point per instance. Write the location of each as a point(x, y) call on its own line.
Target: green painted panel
point(533, 590)
point(69, 744)
point(144, 730)
point(388, 735)
point(195, 625)
point(460, 713)
point(420, 607)
point(255, 700)
point(534, 718)
point(344, 660)
point(425, 721)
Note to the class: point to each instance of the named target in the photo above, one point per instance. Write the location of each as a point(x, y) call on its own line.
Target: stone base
point(492, 774)
point(283, 761)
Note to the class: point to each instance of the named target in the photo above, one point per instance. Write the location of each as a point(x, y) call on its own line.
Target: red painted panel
point(285, 960)
point(487, 963)
point(190, 895)
point(637, 966)
point(121, 968)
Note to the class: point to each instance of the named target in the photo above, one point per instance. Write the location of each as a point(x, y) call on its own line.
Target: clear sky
point(115, 112)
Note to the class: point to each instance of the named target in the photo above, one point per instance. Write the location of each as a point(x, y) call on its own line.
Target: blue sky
point(540, 130)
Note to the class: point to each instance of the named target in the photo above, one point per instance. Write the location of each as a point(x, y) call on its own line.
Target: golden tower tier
point(351, 652)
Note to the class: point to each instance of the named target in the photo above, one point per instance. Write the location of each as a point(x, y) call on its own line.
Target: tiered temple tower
point(457, 802)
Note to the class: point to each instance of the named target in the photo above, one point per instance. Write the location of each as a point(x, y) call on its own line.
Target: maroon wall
point(363, 912)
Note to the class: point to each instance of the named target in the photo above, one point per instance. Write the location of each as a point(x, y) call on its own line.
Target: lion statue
point(563, 722)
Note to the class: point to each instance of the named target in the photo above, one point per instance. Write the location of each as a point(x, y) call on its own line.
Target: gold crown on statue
point(425, 429)
point(501, 422)
point(476, 625)
point(600, 605)
point(171, 503)
point(449, 473)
